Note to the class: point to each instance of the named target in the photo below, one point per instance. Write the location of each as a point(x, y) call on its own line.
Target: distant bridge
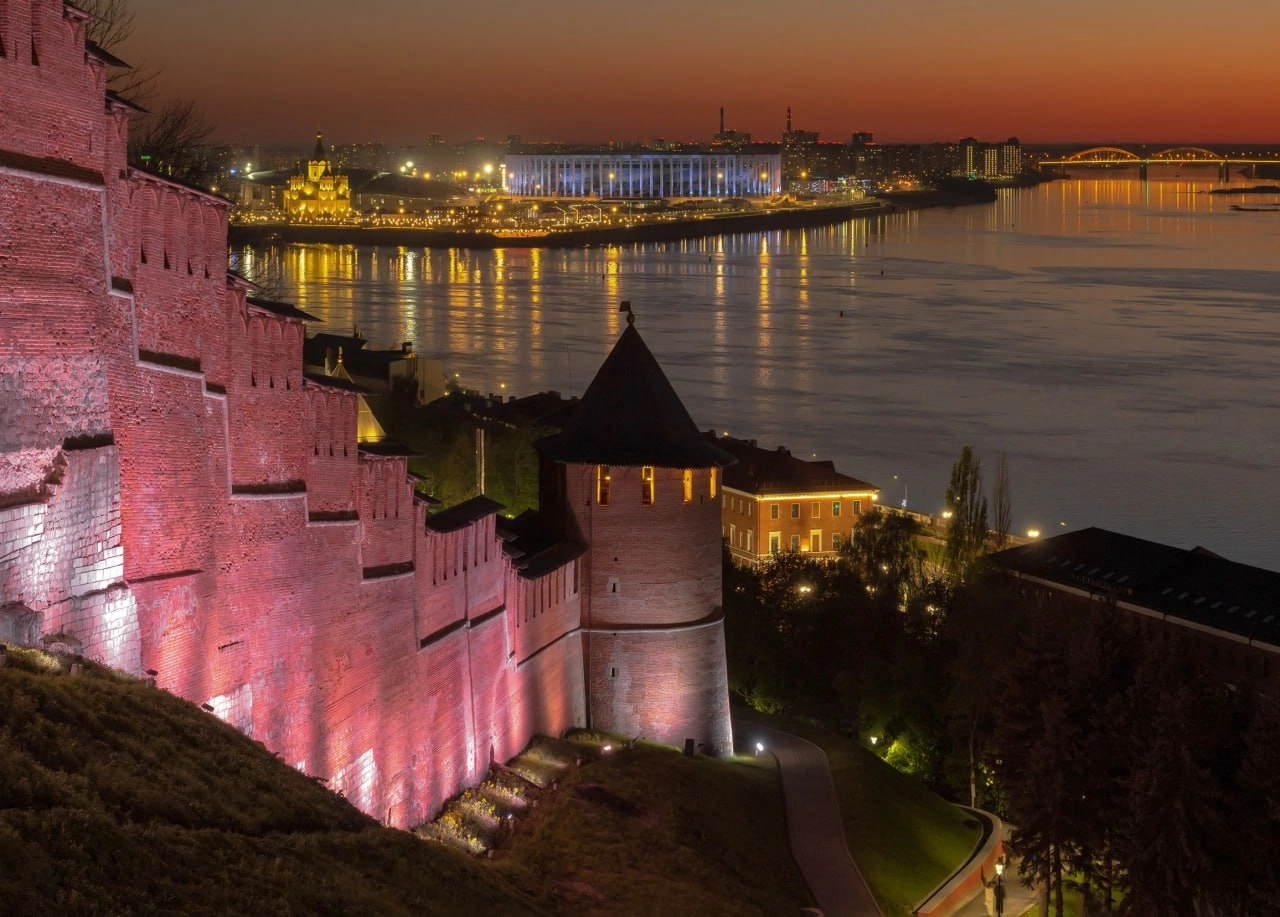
point(1174, 156)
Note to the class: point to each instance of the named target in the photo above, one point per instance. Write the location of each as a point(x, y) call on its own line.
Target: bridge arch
point(1104, 154)
point(1186, 154)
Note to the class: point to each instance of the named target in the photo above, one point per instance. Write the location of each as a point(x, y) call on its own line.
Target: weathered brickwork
point(667, 685)
point(544, 608)
point(669, 577)
point(176, 500)
point(62, 557)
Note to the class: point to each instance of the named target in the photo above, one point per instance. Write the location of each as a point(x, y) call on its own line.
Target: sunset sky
point(913, 70)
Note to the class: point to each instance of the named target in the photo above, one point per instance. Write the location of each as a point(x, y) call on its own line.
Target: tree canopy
point(967, 504)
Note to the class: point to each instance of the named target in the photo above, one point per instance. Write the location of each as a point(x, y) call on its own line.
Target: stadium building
point(615, 175)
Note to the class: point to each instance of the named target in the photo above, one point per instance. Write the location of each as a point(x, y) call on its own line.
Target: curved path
point(814, 825)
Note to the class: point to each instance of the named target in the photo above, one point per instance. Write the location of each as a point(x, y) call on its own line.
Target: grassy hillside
point(903, 837)
point(647, 831)
point(116, 798)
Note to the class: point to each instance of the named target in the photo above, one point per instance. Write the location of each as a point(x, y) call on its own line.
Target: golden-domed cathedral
point(320, 194)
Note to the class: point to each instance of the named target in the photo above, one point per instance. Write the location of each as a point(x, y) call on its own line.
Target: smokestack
point(722, 119)
point(788, 119)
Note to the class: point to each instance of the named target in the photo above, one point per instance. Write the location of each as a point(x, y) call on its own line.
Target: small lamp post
point(1000, 887)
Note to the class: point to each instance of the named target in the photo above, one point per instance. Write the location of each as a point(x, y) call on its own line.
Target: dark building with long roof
point(1229, 611)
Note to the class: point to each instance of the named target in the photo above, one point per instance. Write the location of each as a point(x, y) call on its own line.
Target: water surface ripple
point(1119, 342)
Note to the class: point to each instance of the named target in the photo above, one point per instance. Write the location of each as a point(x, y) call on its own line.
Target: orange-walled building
point(178, 498)
point(776, 502)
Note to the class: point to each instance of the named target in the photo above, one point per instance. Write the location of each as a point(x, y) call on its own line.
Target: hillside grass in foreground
point(118, 798)
point(708, 836)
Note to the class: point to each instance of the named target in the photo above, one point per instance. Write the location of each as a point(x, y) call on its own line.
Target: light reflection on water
point(1118, 340)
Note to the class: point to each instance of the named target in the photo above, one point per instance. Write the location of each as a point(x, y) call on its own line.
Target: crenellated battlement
point(386, 508)
point(179, 229)
point(180, 237)
point(331, 473)
point(53, 86)
point(176, 496)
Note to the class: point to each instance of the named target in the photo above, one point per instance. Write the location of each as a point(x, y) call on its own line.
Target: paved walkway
point(814, 825)
point(1018, 899)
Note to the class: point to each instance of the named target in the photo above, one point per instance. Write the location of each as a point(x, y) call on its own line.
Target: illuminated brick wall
point(177, 499)
point(61, 156)
point(63, 557)
point(667, 685)
point(545, 607)
point(655, 637)
point(670, 576)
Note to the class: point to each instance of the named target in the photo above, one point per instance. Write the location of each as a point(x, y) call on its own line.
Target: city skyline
point(569, 71)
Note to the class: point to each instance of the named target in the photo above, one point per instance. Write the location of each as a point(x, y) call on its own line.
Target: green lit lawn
point(904, 838)
point(1070, 908)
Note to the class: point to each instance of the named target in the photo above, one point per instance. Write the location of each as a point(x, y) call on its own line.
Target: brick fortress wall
point(176, 497)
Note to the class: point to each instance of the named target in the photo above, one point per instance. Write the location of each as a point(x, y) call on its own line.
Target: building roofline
point(143, 175)
point(282, 309)
point(97, 52)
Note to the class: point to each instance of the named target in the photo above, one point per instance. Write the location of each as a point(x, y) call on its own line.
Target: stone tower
point(635, 481)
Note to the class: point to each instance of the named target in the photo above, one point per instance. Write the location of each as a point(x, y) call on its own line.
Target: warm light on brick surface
point(176, 498)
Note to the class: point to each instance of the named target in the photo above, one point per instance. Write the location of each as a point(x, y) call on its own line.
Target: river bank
point(666, 231)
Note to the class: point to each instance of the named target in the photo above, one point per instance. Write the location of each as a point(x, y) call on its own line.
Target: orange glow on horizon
point(1093, 72)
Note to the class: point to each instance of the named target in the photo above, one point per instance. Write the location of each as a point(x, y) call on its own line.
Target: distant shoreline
point(1255, 189)
point(798, 218)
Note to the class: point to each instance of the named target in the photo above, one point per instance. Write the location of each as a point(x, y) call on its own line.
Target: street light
point(999, 895)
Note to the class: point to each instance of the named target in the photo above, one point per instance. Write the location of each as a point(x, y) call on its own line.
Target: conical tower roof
point(630, 415)
point(318, 154)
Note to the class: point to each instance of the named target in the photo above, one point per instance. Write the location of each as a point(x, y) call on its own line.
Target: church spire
point(318, 155)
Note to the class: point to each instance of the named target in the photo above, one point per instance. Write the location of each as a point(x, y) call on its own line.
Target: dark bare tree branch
point(112, 22)
point(111, 26)
point(168, 140)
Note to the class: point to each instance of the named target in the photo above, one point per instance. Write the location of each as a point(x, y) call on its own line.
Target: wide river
point(1119, 342)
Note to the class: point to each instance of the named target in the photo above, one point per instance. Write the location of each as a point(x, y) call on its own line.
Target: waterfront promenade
point(655, 230)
